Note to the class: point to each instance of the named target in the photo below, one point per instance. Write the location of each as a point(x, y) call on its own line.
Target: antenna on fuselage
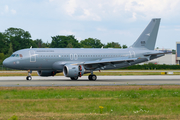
point(31, 47)
point(102, 47)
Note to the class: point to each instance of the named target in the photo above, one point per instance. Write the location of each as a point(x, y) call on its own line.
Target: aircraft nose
point(7, 62)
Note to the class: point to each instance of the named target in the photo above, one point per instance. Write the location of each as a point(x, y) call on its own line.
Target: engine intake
point(46, 73)
point(73, 70)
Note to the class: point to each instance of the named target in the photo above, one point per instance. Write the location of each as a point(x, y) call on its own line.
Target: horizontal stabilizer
point(160, 53)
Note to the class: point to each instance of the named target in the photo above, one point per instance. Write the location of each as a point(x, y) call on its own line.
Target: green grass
point(70, 103)
point(73, 93)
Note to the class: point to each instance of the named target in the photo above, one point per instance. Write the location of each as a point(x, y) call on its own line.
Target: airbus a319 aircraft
point(75, 62)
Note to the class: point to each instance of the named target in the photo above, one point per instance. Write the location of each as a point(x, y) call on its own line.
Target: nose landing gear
point(29, 75)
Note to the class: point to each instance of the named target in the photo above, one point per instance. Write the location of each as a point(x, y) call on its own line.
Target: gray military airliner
point(74, 62)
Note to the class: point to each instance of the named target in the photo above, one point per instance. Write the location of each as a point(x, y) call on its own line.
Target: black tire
point(28, 78)
point(90, 77)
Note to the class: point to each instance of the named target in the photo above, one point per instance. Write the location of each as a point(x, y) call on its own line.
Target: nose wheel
point(29, 75)
point(92, 77)
point(28, 78)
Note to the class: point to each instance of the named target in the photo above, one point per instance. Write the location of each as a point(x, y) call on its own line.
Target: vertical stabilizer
point(148, 37)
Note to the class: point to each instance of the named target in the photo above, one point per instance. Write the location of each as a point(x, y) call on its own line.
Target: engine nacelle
point(73, 70)
point(46, 73)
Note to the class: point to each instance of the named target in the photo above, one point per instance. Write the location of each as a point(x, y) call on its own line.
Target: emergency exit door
point(32, 56)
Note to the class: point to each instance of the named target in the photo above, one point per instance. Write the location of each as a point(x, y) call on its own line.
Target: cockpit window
point(12, 55)
point(16, 55)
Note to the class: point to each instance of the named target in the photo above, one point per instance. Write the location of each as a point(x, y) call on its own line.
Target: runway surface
point(83, 81)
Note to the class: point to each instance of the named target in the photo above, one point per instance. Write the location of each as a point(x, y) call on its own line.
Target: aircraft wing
point(107, 61)
point(110, 60)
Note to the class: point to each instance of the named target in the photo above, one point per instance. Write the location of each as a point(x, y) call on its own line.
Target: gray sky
point(108, 20)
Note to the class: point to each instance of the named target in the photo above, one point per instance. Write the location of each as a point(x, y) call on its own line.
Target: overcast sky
point(108, 20)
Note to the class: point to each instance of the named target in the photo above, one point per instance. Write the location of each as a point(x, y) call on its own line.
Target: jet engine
point(73, 70)
point(46, 73)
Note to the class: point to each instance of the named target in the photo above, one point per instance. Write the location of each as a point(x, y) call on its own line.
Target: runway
point(83, 81)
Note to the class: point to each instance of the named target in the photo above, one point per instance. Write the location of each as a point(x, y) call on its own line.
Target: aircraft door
point(32, 56)
point(132, 54)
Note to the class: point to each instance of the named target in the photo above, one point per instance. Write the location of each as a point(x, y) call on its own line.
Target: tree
point(38, 42)
point(18, 37)
point(63, 41)
point(1, 56)
point(173, 51)
point(3, 44)
point(46, 45)
point(124, 46)
point(91, 43)
point(69, 45)
point(10, 50)
point(33, 44)
point(113, 45)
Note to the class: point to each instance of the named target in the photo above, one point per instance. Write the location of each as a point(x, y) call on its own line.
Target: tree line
point(14, 39)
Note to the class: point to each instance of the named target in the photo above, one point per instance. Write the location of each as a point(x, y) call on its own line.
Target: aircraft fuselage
point(56, 58)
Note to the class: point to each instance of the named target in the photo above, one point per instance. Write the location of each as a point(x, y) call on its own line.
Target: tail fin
point(148, 37)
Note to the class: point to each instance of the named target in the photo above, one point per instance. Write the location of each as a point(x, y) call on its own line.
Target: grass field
point(82, 102)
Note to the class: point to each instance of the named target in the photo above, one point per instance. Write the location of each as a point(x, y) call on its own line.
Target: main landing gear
point(29, 75)
point(92, 76)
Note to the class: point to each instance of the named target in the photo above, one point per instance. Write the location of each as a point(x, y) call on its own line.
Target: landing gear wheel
point(28, 78)
point(92, 77)
point(74, 78)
